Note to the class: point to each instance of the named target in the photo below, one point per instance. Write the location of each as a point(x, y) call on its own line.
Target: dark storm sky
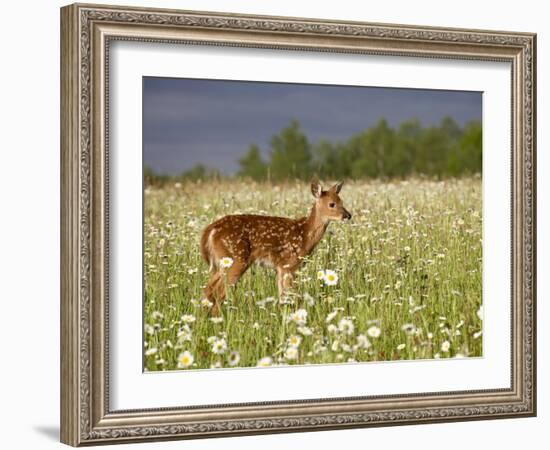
point(187, 121)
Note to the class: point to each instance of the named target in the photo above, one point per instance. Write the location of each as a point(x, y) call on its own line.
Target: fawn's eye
point(331, 205)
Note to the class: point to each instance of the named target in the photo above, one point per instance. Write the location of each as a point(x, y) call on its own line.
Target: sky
point(213, 122)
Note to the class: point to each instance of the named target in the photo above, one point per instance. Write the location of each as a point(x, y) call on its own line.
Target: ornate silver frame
point(86, 31)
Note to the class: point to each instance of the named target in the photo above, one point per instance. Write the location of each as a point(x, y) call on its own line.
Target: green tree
point(290, 155)
point(467, 154)
point(252, 165)
point(436, 146)
point(407, 142)
point(328, 159)
point(375, 147)
point(199, 172)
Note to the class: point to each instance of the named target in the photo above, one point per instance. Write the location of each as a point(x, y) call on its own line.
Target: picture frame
point(87, 32)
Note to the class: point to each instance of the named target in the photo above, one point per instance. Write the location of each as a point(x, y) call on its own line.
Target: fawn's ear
point(337, 187)
point(316, 188)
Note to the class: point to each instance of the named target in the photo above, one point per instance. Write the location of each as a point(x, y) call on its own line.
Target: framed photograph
point(275, 224)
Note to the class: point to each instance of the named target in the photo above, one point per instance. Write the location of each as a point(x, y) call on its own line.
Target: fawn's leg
point(229, 277)
point(284, 282)
point(210, 289)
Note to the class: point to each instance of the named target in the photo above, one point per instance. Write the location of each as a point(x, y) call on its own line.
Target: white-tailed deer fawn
point(279, 242)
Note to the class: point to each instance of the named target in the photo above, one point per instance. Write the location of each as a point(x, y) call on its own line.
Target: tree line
point(443, 150)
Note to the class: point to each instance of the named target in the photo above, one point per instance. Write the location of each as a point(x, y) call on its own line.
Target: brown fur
point(278, 242)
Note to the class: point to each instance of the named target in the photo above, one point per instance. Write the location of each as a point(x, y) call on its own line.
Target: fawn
point(278, 242)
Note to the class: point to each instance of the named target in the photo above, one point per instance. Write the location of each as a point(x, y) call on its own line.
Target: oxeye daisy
point(156, 315)
point(265, 362)
point(346, 326)
point(233, 358)
point(409, 329)
point(363, 341)
point(480, 312)
point(299, 317)
point(331, 278)
point(226, 262)
point(445, 346)
point(291, 353)
point(309, 299)
point(294, 341)
point(206, 303)
point(188, 318)
point(219, 346)
point(185, 359)
point(374, 331)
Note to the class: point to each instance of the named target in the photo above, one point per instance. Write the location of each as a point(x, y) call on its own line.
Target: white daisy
point(400, 347)
point(219, 346)
point(320, 274)
point(331, 316)
point(332, 329)
point(374, 331)
point(309, 299)
point(363, 341)
point(156, 315)
point(265, 362)
point(188, 318)
point(233, 358)
point(299, 317)
point(291, 353)
point(151, 351)
point(480, 312)
point(185, 359)
point(305, 331)
point(294, 341)
point(346, 348)
point(409, 329)
point(346, 326)
point(226, 262)
point(331, 277)
point(445, 346)
point(206, 303)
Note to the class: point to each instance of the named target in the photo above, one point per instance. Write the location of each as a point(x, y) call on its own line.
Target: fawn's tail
point(206, 245)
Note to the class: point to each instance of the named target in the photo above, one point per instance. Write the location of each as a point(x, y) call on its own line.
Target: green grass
point(409, 265)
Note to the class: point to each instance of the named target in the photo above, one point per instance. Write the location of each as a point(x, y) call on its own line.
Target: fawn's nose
point(347, 215)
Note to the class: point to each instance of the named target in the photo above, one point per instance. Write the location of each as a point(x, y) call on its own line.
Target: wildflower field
point(402, 280)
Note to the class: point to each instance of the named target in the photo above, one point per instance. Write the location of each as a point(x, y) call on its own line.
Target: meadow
point(407, 277)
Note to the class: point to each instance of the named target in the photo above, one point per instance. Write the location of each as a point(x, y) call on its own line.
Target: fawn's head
point(328, 203)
